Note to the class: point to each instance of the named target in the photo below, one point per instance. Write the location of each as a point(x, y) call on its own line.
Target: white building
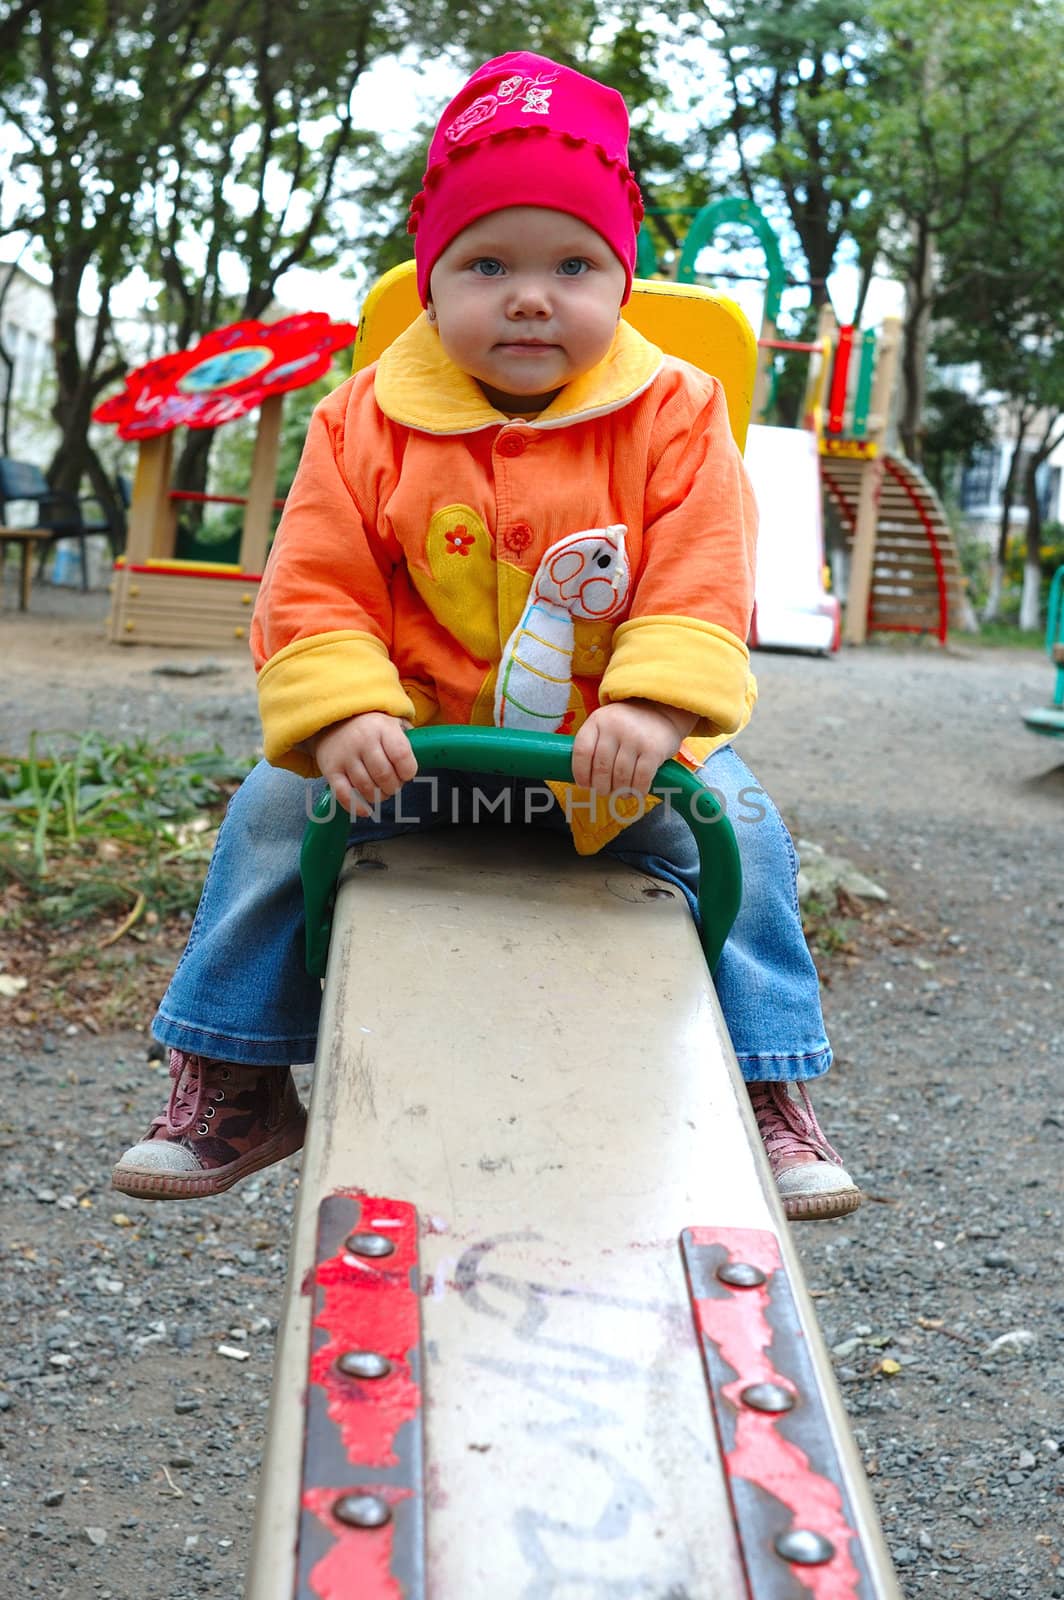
point(980, 485)
point(27, 377)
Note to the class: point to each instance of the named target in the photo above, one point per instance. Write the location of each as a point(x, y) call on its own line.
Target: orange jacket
point(419, 515)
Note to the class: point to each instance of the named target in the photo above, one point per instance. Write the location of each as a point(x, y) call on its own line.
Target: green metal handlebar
point(516, 753)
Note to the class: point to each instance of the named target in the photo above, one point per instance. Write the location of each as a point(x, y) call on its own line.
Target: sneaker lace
point(186, 1096)
point(787, 1127)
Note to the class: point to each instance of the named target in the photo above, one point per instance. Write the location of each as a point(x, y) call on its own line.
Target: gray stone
point(1016, 1342)
point(188, 669)
point(821, 875)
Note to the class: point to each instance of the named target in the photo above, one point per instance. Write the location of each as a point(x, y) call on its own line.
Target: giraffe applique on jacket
point(583, 576)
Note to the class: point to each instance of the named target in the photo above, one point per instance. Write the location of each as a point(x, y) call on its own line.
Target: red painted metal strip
point(196, 572)
point(767, 1468)
point(370, 1305)
point(214, 499)
point(788, 344)
point(839, 379)
point(363, 1432)
point(358, 1565)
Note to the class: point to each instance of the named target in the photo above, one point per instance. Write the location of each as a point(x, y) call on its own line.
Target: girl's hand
point(621, 746)
point(366, 759)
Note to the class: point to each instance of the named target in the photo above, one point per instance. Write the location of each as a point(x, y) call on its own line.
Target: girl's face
point(525, 301)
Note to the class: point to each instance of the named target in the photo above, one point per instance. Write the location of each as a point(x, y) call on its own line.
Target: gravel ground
point(131, 1447)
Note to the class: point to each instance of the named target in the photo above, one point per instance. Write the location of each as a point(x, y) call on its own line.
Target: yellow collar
point(418, 386)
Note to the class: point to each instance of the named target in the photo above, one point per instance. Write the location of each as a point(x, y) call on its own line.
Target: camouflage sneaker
point(223, 1121)
point(811, 1179)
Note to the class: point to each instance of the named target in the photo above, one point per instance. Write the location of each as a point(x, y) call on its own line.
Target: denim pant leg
point(766, 982)
point(241, 991)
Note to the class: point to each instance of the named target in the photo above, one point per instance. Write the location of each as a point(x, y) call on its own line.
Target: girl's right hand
point(366, 759)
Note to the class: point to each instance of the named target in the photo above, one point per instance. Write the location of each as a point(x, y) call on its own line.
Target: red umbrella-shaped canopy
point(230, 372)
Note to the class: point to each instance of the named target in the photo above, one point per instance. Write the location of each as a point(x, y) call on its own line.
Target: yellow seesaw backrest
point(683, 320)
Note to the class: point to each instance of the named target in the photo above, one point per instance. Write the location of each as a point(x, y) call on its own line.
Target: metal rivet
point(369, 1244)
point(362, 1510)
point(804, 1546)
point(363, 1364)
point(740, 1274)
point(767, 1397)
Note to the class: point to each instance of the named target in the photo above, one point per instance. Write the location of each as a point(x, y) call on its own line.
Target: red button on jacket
point(511, 444)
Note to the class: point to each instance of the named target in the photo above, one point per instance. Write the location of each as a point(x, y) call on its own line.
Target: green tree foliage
point(205, 141)
point(799, 78)
point(956, 428)
point(98, 89)
point(618, 48)
point(1001, 303)
point(212, 143)
point(969, 108)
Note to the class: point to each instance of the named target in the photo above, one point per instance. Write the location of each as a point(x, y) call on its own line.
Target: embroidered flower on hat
point(478, 164)
point(536, 102)
point(480, 111)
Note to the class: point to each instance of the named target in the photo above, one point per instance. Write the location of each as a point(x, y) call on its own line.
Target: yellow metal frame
point(682, 319)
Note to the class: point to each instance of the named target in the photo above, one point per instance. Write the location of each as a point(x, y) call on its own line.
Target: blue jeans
point(241, 991)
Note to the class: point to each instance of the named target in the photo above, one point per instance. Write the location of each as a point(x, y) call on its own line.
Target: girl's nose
point(528, 298)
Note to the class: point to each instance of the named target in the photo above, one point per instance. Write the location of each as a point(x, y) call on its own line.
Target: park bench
point(545, 1331)
point(58, 516)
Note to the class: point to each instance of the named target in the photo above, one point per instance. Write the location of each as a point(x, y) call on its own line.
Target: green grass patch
point(828, 928)
point(998, 635)
point(91, 828)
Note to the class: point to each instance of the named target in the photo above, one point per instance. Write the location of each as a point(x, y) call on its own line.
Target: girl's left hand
point(621, 746)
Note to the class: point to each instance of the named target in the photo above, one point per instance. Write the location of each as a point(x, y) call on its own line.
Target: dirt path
point(131, 1447)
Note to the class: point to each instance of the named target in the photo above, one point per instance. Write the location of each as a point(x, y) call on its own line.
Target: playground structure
point(1050, 719)
point(158, 598)
point(897, 567)
point(903, 571)
point(544, 1326)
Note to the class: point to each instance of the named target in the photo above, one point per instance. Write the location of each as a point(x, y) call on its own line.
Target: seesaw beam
point(524, 1079)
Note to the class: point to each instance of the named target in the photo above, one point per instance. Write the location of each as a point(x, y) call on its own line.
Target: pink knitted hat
point(524, 131)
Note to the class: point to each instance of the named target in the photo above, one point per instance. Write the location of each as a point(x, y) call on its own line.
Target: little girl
point(519, 439)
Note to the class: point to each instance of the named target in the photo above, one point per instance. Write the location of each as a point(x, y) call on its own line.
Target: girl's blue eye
point(573, 267)
point(488, 267)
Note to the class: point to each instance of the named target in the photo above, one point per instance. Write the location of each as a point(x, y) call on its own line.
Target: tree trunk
point(916, 341)
point(1031, 596)
point(992, 609)
point(7, 369)
point(1031, 600)
point(106, 491)
point(190, 472)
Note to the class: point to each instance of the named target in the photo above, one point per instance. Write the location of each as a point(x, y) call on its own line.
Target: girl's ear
point(430, 311)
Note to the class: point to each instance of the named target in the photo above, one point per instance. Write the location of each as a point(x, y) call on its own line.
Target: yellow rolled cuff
point(426, 706)
point(681, 661)
point(315, 682)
